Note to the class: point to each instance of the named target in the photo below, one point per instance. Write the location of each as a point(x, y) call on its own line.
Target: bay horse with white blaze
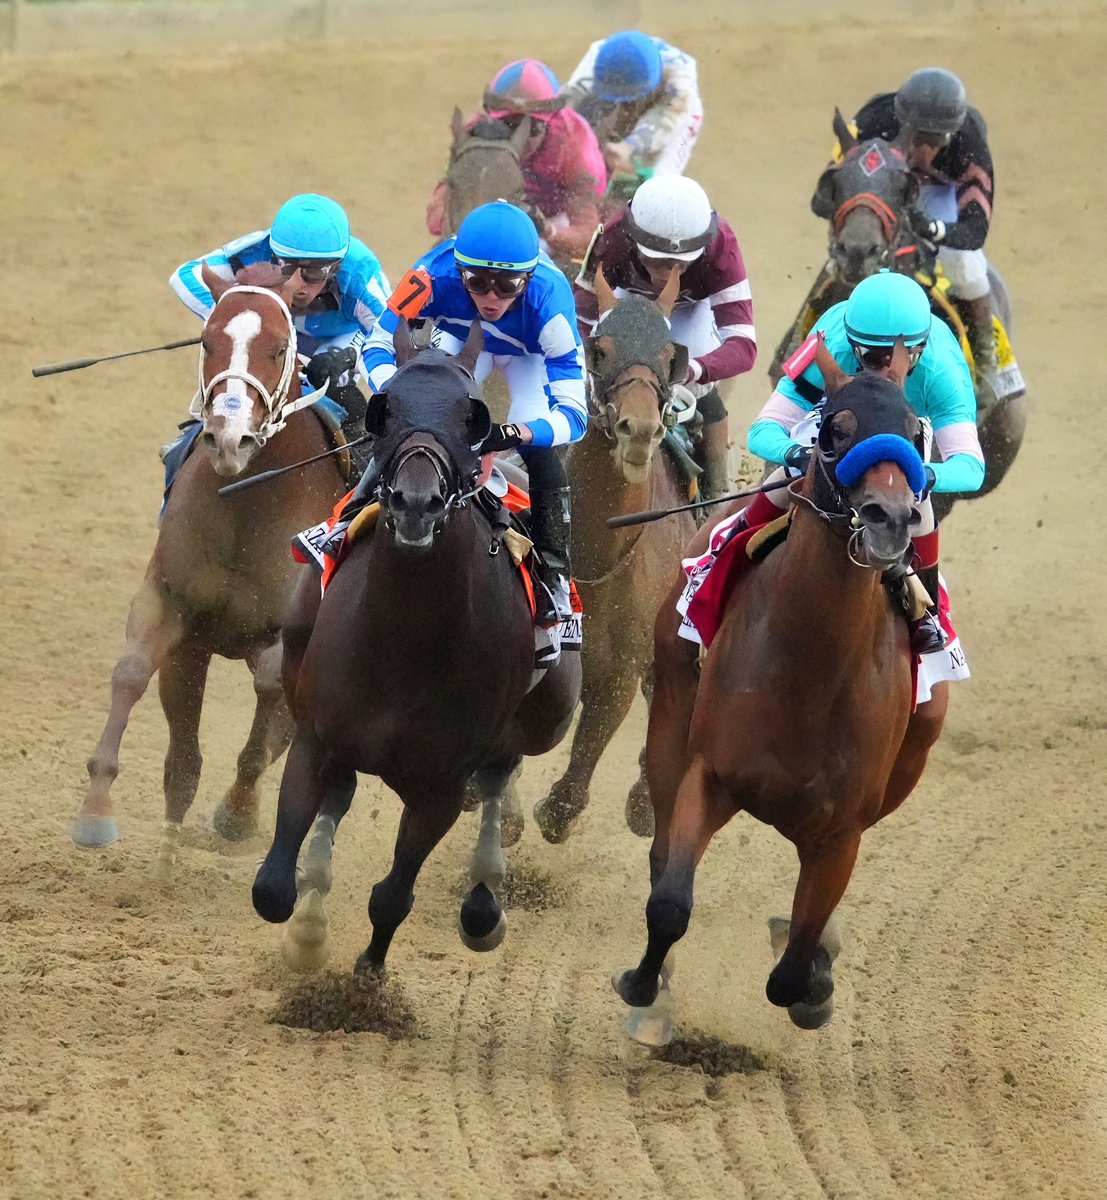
point(221, 574)
point(803, 716)
point(620, 467)
point(416, 664)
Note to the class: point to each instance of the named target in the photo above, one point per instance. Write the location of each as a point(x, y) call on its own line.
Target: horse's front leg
point(638, 811)
point(237, 814)
point(606, 697)
point(181, 683)
point(428, 815)
point(803, 980)
point(307, 780)
point(153, 629)
point(923, 730)
point(481, 923)
point(702, 808)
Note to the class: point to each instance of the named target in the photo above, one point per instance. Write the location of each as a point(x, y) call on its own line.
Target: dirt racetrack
point(968, 1056)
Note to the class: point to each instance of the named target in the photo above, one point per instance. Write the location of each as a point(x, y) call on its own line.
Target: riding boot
point(927, 633)
point(550, 516)
point(981, 334)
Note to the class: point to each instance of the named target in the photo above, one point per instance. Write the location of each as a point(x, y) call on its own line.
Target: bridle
point(278, 408)
point(605, 415)
point(450, 479)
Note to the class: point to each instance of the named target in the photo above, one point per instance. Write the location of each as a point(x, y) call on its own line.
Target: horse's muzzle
point(230, 451)
point(414, 519)
point(887, 526)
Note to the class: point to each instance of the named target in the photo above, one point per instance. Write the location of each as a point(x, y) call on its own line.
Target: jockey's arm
point(732, 310)
point(950, 405)
point(186, 281)
point(564, 362)
point(664, 137)
point(581, 81)
point(770, 436)
point(378, 355)
point(573, 233)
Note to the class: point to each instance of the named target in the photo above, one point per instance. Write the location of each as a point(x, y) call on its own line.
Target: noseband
point(276, 402)
point(605, 415)
point(449, 477)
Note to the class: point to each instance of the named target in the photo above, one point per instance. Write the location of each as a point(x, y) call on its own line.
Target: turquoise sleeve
point(769, 441)
point(962, 473)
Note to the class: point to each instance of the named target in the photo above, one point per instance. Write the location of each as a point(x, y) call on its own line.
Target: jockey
point(945, 142)
point(564, 171)
point(670, 225)
point(339, 292)
point(495, 273)
point(642, 97)
point(861, 332)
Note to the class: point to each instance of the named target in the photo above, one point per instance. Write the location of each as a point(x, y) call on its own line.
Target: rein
point(845, 523)
point(276, 402)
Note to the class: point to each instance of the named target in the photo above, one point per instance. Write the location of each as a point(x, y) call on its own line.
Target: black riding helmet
point(932, 100)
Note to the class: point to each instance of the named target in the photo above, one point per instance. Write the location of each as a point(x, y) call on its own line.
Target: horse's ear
point(519, 136)
point(833, 375)
point(604, 293)
point(823, 202)
point(466, 357)
point(404, 343)
point(901, 363)
point(457, 125)
point(215, 284)
point(265, 275)
point(669, 294)
point(596, 350)
point(846, 138)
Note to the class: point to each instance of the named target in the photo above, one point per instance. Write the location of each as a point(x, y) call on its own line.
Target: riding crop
point(78, 364)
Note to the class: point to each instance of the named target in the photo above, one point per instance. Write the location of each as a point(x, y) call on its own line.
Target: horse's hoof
point(635, 993)
point(639, 810)
point(369, 968)
point(811, 1016)
point(511, 829)
point(231, 826)
point(489, 941)
point(90, 833)
point(274, 894)
point(553, 818)
point(304, 945)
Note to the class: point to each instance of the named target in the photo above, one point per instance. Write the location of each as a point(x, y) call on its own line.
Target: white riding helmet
point(671, 217)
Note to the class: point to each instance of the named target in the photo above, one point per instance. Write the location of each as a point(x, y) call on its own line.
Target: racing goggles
point(311, 269)
point(480, 283)
point(936, 141)
point(877, 358)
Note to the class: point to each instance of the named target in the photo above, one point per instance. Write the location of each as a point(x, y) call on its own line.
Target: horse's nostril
point(208, 439)
point(874, 514)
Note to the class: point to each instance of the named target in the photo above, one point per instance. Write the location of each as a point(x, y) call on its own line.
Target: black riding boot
point(550, 517)
point(927, 634)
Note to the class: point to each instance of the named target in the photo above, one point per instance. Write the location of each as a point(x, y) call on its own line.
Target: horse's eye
point(282, 351)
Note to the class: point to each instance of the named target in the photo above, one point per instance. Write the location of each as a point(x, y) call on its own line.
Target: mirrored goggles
point(877, 358)
point(480, 283)
point(312, 270)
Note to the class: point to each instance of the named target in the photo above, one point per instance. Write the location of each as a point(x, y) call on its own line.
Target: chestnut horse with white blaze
point(619, 467)
point(803, 715)
point(221, 572)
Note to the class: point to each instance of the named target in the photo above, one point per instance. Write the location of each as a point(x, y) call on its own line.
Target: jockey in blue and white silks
point(494, 273)
point(861, 333)
point(340, 289)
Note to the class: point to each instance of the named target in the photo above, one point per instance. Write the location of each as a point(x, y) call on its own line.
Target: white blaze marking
point(241, 330)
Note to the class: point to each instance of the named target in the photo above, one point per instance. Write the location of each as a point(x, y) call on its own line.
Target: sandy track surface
point(967, 1054)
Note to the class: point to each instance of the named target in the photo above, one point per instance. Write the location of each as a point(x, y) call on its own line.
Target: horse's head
point(430, 423)
point(247, 367)
point(485, 165)
point(866, 200)
point(633, 362)
point(868, 460)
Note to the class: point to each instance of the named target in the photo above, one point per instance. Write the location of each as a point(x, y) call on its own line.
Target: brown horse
point(221, 573)
point(622, 574)
point(485, 165)
point(803, 714)
point(416, 665)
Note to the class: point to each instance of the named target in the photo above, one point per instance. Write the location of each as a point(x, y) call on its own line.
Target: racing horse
point(803, 715)
point(867, 200)
point(622, 574)
point(485, 165)
point(221, 573)
point(417, 663)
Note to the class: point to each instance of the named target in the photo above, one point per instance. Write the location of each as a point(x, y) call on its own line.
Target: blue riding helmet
point(885, 307)
point(310, 226)
point(498, 237)
point(628, 67)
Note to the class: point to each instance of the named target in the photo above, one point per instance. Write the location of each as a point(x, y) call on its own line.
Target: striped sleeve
point(564, 358)
point(732, 307)
point(186, 281)
point(379, 353)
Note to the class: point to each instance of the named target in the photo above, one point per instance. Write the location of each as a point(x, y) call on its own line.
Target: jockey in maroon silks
point(564, 169)
point(670, 224)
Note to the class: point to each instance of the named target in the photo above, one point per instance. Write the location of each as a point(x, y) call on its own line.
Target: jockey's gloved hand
point(502, 437)
point(333, 364)
point(797, 457)
point(931, 232)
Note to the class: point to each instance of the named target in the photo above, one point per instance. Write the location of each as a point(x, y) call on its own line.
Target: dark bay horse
point(221, 574)
point(867, 200)
point(803, 713)
point(417, 663)
point(621, 573)
point(485, 165)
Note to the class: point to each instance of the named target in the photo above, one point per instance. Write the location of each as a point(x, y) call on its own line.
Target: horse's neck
point(440, 577)
point(601, 491)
